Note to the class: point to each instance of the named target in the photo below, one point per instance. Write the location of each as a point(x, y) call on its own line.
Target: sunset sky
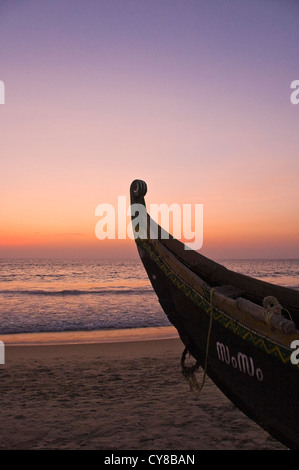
point(192, 96)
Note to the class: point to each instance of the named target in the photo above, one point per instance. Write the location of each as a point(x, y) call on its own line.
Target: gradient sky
point(192, 96)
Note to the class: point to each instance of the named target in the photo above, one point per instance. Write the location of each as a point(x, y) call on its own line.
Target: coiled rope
point(189, 371)
point(273, 307)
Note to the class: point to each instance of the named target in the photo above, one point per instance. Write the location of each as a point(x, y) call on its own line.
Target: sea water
point(50, 295)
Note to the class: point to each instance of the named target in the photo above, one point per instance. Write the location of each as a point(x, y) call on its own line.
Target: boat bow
point(223, 319)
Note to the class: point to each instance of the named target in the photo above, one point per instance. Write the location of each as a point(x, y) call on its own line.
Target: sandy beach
point(118, 396)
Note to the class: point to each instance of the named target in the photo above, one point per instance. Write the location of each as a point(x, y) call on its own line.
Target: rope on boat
point(189, 371)
point(273, 307)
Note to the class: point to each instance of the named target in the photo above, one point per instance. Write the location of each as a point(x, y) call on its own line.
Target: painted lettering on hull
point(239, 361)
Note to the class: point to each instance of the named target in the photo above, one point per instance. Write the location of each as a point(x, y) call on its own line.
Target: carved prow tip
point(138, 188)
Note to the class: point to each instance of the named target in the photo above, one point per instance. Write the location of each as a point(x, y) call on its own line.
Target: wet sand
point(115, 396)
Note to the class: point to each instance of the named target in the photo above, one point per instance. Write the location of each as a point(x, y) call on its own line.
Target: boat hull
point(252, 371)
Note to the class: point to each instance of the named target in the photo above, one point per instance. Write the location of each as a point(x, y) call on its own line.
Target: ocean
point(50, 295)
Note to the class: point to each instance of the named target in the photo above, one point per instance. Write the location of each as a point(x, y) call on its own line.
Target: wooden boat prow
point(220, 315)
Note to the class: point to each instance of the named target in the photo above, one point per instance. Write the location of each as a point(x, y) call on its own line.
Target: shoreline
point(89, 337)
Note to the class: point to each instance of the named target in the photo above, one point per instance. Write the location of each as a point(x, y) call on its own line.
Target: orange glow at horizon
point(230, 231)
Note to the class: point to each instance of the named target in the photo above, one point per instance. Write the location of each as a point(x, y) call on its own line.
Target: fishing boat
point(241, 331)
